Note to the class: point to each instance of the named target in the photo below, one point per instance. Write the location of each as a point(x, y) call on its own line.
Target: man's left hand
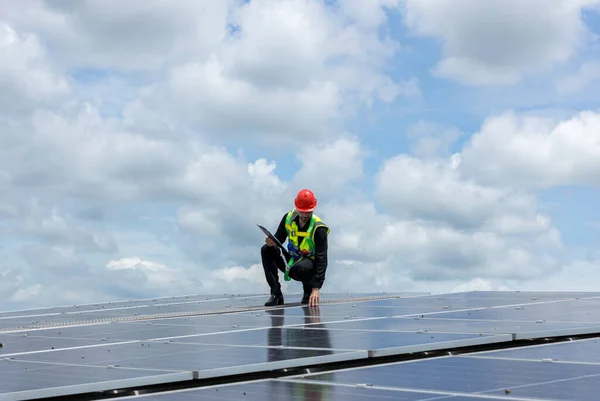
point(313, 300)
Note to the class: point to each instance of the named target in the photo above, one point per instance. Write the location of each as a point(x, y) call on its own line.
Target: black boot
point(305, 298)
point(275, 300)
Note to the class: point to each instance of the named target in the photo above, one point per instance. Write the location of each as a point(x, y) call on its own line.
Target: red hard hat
point(305, 201)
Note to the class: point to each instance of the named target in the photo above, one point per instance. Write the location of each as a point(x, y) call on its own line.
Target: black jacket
point(320, 249)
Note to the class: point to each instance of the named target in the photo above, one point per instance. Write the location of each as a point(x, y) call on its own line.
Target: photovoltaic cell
point(358, 310)
point(349, 295)
point(23, 380)
point(580, 389)
point(580, 351)
point(185, 357)
point(475, 376)
point(465, 300)
point(586, 311)
point(91, 334)
point(458, 326)
point(111, 304)
point(30, 343)
point(128, 304)
point(378, 343)
point(274, 317)
point(541, 295)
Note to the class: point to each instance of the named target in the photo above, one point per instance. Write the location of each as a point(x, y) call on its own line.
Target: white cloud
point(208, 97)
point(26, 76)
point(242, 280)
point(496, 42)
point(91, 35)
point(26, 294)
point(55, 227)
point(293, 86)
point(136, 264)
point(442, 225)
point(413, 188)
point(432, 251)
point(368, 13)
point(328, 167)
point(146, 277)
point(580, 274)
point(535, 152)
point(479, 284)
point(12, 284)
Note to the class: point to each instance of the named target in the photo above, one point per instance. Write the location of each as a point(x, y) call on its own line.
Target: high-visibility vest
point(306, 247)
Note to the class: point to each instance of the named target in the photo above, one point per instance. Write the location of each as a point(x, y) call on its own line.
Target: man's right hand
point(269, 241)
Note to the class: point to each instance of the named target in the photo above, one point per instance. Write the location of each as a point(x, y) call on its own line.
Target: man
point(307, 245)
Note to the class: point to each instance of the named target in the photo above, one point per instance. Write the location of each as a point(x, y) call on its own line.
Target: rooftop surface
point(408, 346)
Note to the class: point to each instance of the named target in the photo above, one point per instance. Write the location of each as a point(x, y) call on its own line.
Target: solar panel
point(24, 380)
point(14, 343)
point(467, 376)
point(93, 334)
point(541, 295)
point(134, 303)
point(142, 311)
point(250, 319)
point(130, 343)
point(575, 310)
point(365, 309)
point(478, 299)
point(579, 351)
point(189, 357)
point(97, 312)
point(377, 343)
point(522, 329)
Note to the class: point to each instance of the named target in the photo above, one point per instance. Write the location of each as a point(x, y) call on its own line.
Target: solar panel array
point(128, 344)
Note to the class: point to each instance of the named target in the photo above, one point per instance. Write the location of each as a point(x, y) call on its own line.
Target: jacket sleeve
point(281, 233)
point(320, 257)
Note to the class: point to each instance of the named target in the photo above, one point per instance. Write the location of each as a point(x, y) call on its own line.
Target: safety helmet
point(305, 201)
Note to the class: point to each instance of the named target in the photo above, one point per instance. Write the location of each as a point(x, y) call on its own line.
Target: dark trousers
point(272, 262)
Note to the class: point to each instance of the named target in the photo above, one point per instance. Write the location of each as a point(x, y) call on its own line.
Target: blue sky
point(575, 211)
point(155, 143)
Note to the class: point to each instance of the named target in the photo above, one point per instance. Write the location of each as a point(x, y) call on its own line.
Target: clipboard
point(285, 255)
point(279, 244)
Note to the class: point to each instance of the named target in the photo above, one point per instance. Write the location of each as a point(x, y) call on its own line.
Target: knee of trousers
point(268, 251)
point(302, 269)
point(270, 256)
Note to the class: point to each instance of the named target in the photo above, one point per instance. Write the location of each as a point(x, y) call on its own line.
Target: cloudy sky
point(452, 144)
